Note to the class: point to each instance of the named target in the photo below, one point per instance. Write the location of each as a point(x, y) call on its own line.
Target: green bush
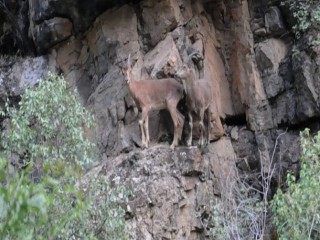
point(104, 217)
point(48, 125)
point(22, 205)
point(48, 210)
point(45, 133)
point(40, 210)
point(296, 211)
point(306, 14)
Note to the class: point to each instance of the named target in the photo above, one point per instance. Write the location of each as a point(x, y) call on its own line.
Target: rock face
point(260, 90)
point(18, 73)
point(172, 189)
point(50, 32)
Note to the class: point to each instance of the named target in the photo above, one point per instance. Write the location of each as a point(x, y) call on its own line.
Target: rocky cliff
point(261, 90)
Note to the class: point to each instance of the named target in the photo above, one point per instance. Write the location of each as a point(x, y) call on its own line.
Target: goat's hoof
point(172, 146)
point(144, 146)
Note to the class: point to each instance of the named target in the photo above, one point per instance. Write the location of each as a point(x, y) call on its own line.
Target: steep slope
point(261, 90)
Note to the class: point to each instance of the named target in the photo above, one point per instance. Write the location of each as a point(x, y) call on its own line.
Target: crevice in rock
point(144, 38)
point(14, 38)
point(312, 123)
point(236, 120)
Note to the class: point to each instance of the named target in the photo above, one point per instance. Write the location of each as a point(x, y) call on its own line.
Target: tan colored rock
point(270, 53)
point(51, 32)
point(246, 80)
point(159, 18)
point(72, 58)
point(163, 60)
point(113, 37)
point(222, 162)
point(214, 70)
point(67, 55)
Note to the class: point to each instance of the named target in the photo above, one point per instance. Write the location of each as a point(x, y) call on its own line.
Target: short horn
point(190, 57)
point(195, 54)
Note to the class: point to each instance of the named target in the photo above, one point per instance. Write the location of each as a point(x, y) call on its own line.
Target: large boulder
point(269, 54)
point(49, 27)
point(163, 60)
point(113, 37)
point(81, 13)
point(159, 18)
point(50, 32)
point(307, 87)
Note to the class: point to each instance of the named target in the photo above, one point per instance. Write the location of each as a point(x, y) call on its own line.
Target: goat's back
point(156, 92)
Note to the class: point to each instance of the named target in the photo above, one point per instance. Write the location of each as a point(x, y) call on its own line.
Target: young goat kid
point(199, 98)
point(156, 95)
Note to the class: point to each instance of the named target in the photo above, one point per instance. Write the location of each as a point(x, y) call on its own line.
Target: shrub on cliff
point(40, 197)
point(48, 126)
point(307, 19)
point(306, 14)
point(297, 210)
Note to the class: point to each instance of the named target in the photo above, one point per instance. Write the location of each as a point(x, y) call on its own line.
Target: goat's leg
point(143, 138)
point(181, 123)
point(142, 126)
point(189, 142)
point(147, 131)
point(202, 128)
point(208, 126)
point(172, 107)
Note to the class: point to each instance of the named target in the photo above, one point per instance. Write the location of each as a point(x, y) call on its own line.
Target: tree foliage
point(297, 210)
point(45, 133)
point(48, 125)
point(306, 14)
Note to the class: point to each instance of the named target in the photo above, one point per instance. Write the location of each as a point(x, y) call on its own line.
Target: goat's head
point(183, 72)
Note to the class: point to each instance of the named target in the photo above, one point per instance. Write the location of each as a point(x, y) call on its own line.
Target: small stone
point(121, 110)
point(235, 133)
